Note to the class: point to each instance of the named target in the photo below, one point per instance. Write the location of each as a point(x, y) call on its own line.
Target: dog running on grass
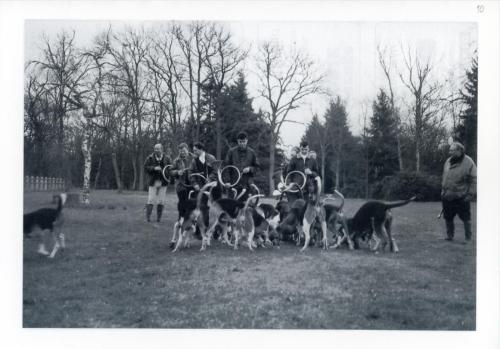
point(50, 219)
point(374, 218)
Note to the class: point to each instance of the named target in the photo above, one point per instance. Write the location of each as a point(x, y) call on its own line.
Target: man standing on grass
point(303, 162)
point(203, 164)
point(458, 189)
point(153, 166)
point(244, 158)
point(180, 171)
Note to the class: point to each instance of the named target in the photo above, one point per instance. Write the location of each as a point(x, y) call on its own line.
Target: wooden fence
point(35, 183)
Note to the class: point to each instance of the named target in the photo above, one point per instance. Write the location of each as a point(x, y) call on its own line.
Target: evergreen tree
point(233, 108)
point(382, 141)
point(467, 127)
point(340, 138)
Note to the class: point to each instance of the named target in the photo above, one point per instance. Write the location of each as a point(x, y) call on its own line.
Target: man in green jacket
point(458, 189)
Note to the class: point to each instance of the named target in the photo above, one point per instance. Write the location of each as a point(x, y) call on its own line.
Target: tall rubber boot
point(149, 209)
point(468, 230)
point(450, 230)
point(159, 211)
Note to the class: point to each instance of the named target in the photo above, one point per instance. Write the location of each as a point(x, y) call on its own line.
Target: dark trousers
point(452, 208)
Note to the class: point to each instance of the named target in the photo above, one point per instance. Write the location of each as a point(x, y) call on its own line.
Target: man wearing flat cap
point(458, 189)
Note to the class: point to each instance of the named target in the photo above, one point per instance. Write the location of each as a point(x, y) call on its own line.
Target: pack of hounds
point(303, 220)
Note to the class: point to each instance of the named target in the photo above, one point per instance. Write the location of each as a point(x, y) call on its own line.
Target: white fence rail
point(35, 183)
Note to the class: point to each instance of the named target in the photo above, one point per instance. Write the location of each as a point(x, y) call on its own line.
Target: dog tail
point(250, 199)
point(61, 199)
point(204, 192)
point(394, 204)
point(339, 194)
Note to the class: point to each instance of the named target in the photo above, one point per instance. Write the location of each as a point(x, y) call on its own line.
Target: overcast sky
point(345, 50)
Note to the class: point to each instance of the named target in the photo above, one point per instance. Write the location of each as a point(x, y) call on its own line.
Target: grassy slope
point(118, 272)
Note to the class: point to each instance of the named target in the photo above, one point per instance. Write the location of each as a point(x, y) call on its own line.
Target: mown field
point(118, 271)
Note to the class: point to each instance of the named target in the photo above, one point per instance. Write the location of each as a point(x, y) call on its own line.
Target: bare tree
point(386, 65)
point(129, 57)
point(364, 120)
point(192, 43)
point(222, 59)
point(65, 68)
point(89, 100)
point(285, 80)
point(426, 94)
point(166, 75)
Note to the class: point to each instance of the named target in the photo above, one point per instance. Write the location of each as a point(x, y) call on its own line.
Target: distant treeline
point(92, 114)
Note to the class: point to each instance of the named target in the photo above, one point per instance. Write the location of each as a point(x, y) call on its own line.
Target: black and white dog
point(374, 219)
point(47, 219)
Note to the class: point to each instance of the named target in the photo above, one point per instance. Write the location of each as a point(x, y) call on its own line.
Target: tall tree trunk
point(400, 154)
point(323, 158)
point(218, 138)
point(117, 172)
point(134, 169)
point(272, 147)
point(98, 173)
point(87, 156)
point(367, 183)
point(141, 170)
point(337, 173)
point(417, 154)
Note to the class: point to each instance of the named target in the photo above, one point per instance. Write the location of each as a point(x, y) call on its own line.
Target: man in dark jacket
point(203, 164)
point(458, 189)
point(243, 157)
point(304, 163)
point(153, 166)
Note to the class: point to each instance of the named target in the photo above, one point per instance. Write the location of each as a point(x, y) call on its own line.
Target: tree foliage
point(467, 128)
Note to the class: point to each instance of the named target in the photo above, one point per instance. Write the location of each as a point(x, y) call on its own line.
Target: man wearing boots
point(153, 166)
point(458, 189)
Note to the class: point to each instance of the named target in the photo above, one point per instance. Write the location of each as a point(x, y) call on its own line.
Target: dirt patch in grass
point(118, 271)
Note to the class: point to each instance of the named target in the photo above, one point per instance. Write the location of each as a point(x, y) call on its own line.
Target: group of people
point(192, 170)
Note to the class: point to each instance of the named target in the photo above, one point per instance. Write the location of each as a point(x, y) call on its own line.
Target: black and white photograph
point(216, 172)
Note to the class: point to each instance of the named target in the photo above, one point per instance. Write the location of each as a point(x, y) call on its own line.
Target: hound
point(303, 213)
point(375, 217)
point(227, 211)
point(47, 219)
point(334, 217)
point(191, 216)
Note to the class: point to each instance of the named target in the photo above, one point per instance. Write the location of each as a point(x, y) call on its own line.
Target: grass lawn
point(117, 271)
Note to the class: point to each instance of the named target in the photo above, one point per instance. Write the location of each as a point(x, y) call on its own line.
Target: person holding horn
point(244, 158)
point(306, 164)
